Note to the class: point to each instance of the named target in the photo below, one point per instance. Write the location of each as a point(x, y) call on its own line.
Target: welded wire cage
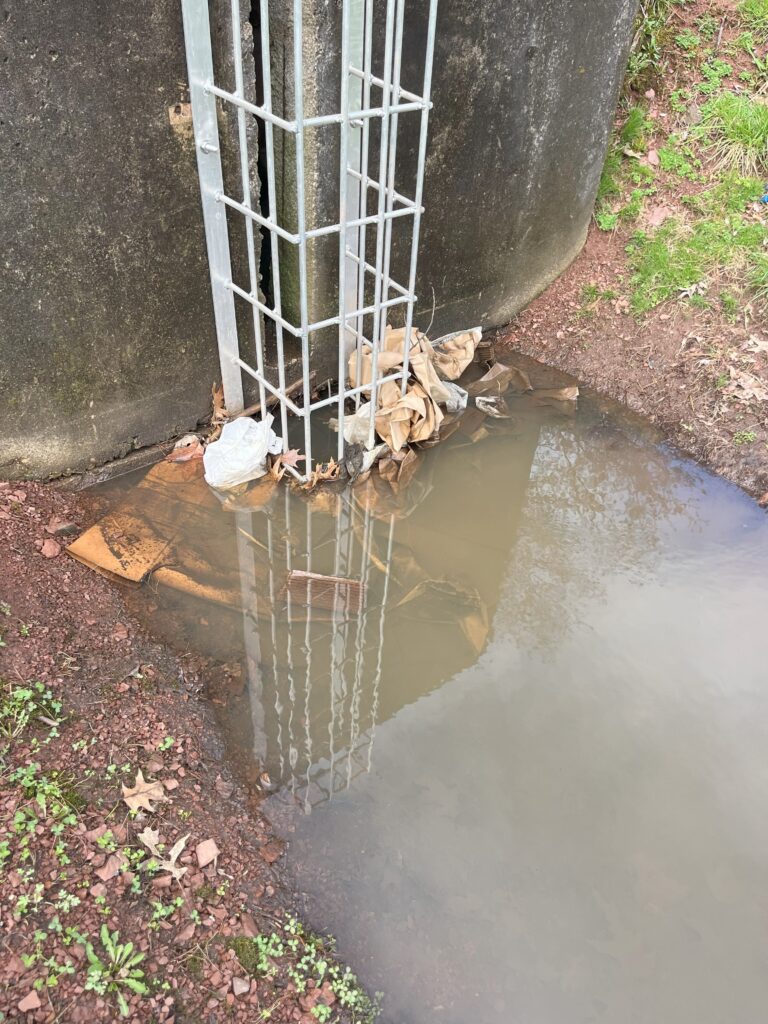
point(372, 99)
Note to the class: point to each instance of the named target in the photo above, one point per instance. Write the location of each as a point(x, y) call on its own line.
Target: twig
point(274, 400)
point(432, 320)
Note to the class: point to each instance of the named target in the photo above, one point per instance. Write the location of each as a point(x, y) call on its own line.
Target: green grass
point(737, 130)
point(652, 33)
point(755, 14)
point(758, 276)
point(635, 130)
point(679, 256)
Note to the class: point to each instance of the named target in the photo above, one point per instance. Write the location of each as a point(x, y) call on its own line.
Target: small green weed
point(652, 32)
point(688, 41)
point(25, 705)
point(296, 955)
point(713, 73)
point(744, 437)
point(117, 971)
point(635, 130)
point(708, 25)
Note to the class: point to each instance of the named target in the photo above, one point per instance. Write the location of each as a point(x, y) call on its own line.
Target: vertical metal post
point(425, 95)
point(197, 39)
point(301, 217)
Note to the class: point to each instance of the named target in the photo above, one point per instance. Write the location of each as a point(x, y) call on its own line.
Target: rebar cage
point(366, 288)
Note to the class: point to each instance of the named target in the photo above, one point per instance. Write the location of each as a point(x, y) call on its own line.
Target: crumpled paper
point(400, 419)
point(454, 352)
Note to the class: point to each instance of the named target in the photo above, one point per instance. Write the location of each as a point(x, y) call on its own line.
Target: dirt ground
point(695, 365)
point(87, 702)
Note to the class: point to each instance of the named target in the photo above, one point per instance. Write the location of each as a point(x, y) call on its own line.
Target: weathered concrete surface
point(107, 338)
point(524, 93)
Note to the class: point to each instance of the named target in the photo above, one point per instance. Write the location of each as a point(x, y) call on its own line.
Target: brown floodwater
point(523, 770)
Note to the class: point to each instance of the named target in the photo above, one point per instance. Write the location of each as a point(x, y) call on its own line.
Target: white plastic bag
point(240, 454)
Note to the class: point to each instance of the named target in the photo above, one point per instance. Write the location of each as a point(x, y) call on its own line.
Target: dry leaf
point(219, 409)
point(186, 452)
point(150, 837)
point(756, 344)
point(746, 387)
point(322, 472)
point(112, 867)
point(143, 793)
point(292, 457)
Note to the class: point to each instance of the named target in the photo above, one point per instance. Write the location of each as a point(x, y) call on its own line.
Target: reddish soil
point(128, 703)
point(665, 366)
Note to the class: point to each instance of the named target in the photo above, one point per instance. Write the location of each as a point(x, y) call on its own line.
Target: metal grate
point(361, 323)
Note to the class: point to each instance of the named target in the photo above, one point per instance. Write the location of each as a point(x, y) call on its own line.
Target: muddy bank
point(117, 809)
point(661, 367)
point(665, 307)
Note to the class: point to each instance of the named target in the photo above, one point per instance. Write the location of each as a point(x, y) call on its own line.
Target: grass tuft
point(755, 14)
point(738, 128)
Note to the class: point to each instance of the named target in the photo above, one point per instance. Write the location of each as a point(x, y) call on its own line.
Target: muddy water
point(525, 776)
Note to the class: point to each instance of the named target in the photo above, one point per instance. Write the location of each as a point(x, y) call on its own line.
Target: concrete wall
point(524, 94)
point(107, 339)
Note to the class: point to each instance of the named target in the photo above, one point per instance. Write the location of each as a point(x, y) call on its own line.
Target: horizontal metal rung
point(238, 101)
point(374, 218)
point(401, 93)
point(333, 400)
point(362, 115)
point(271, 313)
point(376, 273)
point(263, 221)
point(295, 409)
point(372, 183)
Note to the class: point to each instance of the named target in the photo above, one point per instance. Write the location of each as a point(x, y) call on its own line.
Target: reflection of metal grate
point(365, 98)
point(328, 664)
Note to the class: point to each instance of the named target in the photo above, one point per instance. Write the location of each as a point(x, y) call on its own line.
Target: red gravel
point(122, 695)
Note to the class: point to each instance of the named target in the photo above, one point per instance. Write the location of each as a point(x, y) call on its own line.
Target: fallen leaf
point(150, 837)
point(120, 632)
point(756, 344)
point(219, 408)
point(292, 457)
point(186, 933)
point(250, 928)
point(50, 548)
point(143, 793)
point(187, 452)
point(763, 502)
point(206, 852)
point(112, 867)
point(746, 387)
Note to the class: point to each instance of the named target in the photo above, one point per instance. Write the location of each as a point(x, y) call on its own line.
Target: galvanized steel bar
point(426, 92)
point(245, 176)
point(272, 211)
point(197, 39)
